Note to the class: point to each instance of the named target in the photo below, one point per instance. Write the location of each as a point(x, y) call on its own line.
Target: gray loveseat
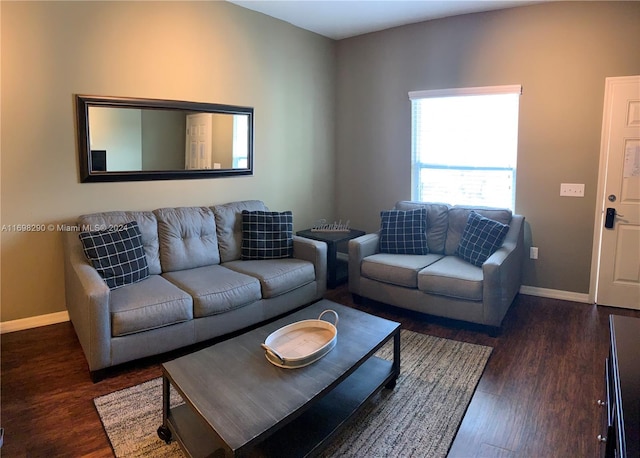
point(440, 283)
point(198, 287)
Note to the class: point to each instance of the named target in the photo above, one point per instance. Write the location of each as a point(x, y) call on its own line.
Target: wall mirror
point(131, 139)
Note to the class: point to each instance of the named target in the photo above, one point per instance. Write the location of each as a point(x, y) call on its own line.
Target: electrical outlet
point(572, 189)
point(533, 252)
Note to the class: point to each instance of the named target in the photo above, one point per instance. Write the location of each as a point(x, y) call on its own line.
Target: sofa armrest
point(360, 248)
point(87, 299)
point(316, 253)
point(502, 273)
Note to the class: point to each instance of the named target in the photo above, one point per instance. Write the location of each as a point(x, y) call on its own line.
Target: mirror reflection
point(125, 139)
point(140, 139)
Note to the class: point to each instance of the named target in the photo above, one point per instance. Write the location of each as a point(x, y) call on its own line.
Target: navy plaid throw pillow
point(266, 235)
point(480, 239)
point(117, 255)
point(404, 231)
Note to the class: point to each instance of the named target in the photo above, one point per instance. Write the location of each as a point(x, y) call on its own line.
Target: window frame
point(417, 167)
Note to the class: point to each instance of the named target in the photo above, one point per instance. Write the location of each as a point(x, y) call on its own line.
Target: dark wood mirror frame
point(90, 174)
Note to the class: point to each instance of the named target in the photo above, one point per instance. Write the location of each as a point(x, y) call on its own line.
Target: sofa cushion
point(404, 231)
point(480, 239)
point(276, 276)
point(187, 238)
point(458, 217)
point(397, 269)
point(147, 223)
point(267, 235)
point(229, 226)
point(215, 289)
point(437, 222)
point(149, 304)
point(117, 254)
point(452, 277)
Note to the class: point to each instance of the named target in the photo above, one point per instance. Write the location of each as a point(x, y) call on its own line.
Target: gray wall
point(559, 52)
point(332, 118)
point(212, 52)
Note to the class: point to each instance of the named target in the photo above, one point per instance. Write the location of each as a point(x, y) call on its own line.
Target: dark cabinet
point(620, 435)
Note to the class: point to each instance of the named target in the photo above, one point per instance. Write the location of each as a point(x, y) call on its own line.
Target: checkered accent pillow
point(404, 231)
point(117, 255)
point(480, 239)
point(266, 235)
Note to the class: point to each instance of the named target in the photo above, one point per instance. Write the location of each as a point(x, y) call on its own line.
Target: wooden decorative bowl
point(301, 343)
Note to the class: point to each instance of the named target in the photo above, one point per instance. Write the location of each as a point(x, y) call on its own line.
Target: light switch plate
point(572, 189)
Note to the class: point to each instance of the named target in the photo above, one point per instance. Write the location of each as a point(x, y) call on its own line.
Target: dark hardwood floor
point(537, 396)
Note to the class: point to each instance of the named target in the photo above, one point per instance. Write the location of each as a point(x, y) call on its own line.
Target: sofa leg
point(357, 299)
point(98, 376)
point(495, 331)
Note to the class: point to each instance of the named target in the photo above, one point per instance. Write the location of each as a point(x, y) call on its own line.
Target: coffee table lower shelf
point(305, 434)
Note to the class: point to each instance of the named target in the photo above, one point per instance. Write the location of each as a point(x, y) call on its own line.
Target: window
point(240, 142)
point(464, 145)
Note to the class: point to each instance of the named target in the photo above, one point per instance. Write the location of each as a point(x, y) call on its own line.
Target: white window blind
point(464, 145)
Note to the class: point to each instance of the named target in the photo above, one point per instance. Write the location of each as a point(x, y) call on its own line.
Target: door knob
point(612, 197)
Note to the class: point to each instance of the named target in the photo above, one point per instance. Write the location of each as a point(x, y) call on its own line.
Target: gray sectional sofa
point(198, 288)
point(440, 283)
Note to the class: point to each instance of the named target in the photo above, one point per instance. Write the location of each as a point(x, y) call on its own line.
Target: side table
point(337, 269)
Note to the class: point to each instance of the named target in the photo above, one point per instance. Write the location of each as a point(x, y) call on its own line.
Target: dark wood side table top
point(333, 237)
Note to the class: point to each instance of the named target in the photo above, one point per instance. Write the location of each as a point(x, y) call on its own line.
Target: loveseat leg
point(357, 299)
point(495, 331)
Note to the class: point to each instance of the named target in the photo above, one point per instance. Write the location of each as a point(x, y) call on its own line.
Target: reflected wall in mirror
point(126, 139)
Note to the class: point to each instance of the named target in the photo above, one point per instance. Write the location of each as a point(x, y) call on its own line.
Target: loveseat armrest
point(360, 248)
point(502, 274)
point(87, 298)
point(316, 253)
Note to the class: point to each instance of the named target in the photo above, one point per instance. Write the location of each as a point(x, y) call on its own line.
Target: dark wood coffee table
point(239, 404)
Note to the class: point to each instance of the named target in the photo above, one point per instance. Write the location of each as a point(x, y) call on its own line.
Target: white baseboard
point(555, 294)
point(33, 322)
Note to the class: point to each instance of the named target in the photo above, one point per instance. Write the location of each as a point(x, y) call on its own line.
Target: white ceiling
point(339, 19)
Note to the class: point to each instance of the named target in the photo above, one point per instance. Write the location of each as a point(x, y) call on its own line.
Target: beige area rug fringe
point(420, 417)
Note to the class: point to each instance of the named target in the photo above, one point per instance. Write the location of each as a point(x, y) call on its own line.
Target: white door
point(198, 145)
point(617, 236)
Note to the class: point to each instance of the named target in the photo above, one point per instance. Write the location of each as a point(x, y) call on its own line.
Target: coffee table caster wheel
point(164, 433)
point(391, 384)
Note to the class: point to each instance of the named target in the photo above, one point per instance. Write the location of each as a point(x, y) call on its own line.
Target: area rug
point(419, 417)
